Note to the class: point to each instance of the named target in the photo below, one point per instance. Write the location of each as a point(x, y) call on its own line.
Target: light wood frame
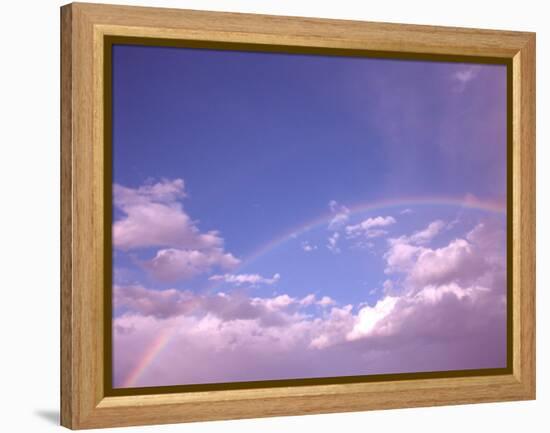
point(83, 400)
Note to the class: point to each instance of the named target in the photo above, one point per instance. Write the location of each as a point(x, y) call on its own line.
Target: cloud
point(401, 256)
point(369, 317)
point(341, 215)
point(460, 288)
point(307, 247)
point(250, 279)
point(462, 260)
point(174, 264)
point(153, 216)
point(332, 329)
point(426, 235)
point(156, 303)
point(162, 304)
point(325, 301)
point(308, 300)
point(332, 244)
point(311, 299)
point(368, 227)
point(436, 315)
point(464, 76)
point(455, 261)
point(404, 250)
point(406, 211)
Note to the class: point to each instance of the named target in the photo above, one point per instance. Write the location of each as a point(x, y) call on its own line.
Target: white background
point(29, 216)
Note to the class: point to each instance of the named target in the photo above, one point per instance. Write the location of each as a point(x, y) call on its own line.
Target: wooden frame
point(84, 403)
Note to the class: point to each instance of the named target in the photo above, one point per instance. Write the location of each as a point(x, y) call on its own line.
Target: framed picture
point(270, 216)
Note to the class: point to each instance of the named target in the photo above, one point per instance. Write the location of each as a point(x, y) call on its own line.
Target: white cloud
point(464, 76)
point(331, 330)
point(401, 256)
point(311, 299)
point(370, 227)
point(325, 301)
point(369, 317)
point(308, 300)
point(307, 247)
point(388, 286)
point(341, 215)
point(426, 235)
point(154, 217)
point(333, 243)
point(241, 279)
point(157, 303)
point(444, 310)
point(442, 264)
point(462, 259)
point(434, 294)
point(174, 264)
point(404, 250)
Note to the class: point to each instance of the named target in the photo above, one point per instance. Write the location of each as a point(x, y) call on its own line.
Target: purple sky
point(288, 216)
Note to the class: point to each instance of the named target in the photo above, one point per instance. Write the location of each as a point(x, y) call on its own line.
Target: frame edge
point(67, 405)
point(85, 411)
point(525, 60)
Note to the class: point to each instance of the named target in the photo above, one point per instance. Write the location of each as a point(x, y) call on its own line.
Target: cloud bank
point(443, 309)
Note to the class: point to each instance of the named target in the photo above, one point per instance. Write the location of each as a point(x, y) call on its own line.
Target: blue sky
point(266, 143)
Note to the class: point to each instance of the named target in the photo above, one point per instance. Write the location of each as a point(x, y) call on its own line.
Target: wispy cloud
point(308, 247)
point(426, 235)
point(341, 215)
point(246, 279)
point(332, 244)
point(463, 76)
point(370, 227)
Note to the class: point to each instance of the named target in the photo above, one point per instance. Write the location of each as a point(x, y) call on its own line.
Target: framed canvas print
point(270, 216)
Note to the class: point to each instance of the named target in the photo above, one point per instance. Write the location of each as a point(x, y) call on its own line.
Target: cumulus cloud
point(325, 301)
point(460, 288)
point(456, 260)
point(445, 309)
point(248, 279)
point(404, 250)
point(161, 304)
point(369, 317)
point(153, 216)
point(174, 264)
point(462, 260)
point(370, 227)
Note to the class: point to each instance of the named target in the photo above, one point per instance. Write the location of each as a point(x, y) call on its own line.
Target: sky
point(280, 216)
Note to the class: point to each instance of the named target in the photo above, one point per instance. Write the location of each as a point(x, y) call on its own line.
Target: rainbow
point(159, 343)
point(358, 208)
point(164, 338)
